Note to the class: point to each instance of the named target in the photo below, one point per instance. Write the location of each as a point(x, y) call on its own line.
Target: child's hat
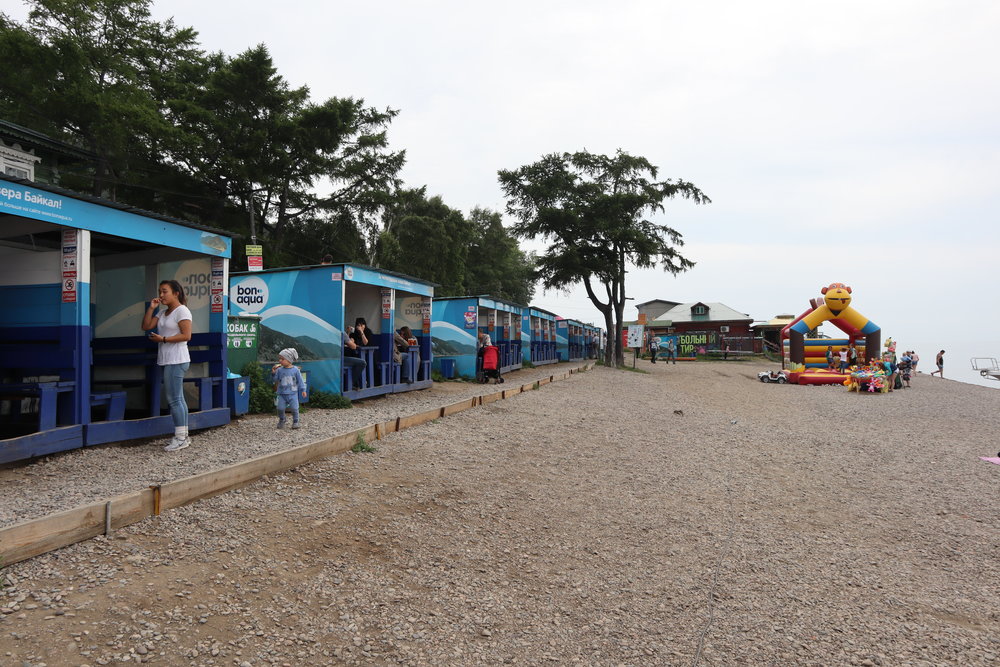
point(290, 354)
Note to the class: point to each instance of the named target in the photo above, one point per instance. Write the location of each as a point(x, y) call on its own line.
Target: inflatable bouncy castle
point(805, 358)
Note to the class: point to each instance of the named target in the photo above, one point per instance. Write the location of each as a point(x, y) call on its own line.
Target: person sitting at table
point(352, 356)
point(402, 342)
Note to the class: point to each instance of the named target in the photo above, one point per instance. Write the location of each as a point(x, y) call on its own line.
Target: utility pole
point(253, 225)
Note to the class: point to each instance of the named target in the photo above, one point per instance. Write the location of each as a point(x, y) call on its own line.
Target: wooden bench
point(24, 359)
point(112, 401)
point(139, 351)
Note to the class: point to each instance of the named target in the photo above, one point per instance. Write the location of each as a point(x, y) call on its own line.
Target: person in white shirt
point(173, 331)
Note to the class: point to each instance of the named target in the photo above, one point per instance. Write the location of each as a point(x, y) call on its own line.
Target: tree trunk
point(609, 348)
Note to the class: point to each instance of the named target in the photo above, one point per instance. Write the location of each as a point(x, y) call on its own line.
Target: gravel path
point(689, 516)
point(93, 474)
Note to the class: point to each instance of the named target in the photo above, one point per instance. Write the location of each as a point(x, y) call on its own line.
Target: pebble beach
point(686, 515)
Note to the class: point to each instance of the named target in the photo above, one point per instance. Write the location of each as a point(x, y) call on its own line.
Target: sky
point(855, 142)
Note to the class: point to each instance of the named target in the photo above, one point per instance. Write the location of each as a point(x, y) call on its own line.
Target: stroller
point(489, 356)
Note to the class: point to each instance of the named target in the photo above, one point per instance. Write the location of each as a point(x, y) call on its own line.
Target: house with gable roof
point(699, 325)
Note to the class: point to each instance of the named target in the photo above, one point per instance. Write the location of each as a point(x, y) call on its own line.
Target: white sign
point(635, 335)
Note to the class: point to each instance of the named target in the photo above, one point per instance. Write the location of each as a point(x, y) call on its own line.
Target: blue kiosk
point(570, 340)
point(457, 321)
point(538, 327)
point(76, 274)
point(591, 341)
point(310, 307)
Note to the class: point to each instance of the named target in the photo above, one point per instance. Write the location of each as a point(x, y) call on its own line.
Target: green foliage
point(592, 210)
point(425, 237)
point(96, 73)
point(261, 390)
point(208, 137)
point(328, 401)
point(496, 265)
point(527, 364)
point(227, 141)
point(361, 446)
point(476, 255)
point(437, 377)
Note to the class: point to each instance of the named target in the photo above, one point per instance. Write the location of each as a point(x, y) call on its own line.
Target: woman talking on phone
point(173, 331)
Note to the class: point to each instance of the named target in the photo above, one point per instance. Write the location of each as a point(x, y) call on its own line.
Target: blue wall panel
point(31, 305)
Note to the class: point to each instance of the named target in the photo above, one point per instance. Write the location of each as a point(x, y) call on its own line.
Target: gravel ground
point(688, 516)
point(92, 474)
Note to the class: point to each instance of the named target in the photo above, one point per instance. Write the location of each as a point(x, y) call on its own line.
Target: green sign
point(242, 334)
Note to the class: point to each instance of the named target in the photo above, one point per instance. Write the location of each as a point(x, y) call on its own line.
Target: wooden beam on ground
point(459, 407)
point(485, 399)
point(206, 485)
point(418, 419)
point(32, 538)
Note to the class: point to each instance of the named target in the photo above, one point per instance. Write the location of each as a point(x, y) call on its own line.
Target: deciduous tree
point(592, 210)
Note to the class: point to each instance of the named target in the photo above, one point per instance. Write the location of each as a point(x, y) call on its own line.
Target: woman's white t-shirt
point(169, 325)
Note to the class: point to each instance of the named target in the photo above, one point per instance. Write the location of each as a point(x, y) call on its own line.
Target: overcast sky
point(851, 142)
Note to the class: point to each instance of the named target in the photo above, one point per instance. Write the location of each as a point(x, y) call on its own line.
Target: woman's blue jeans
point(173, 384)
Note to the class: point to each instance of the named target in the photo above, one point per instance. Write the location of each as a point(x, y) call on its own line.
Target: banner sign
point(635, 335)
point(255, 257)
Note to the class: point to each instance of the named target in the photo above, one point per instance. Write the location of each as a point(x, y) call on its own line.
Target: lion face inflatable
point(837, 296)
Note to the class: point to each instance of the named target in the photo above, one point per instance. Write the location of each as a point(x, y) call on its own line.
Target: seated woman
point(353, 338)
point(402, 342)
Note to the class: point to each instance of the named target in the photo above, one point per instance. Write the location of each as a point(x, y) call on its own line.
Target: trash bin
point(238, 395)
point(448, 368)
point(242, 341)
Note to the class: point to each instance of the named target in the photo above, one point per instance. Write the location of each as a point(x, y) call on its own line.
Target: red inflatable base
point(817, 376)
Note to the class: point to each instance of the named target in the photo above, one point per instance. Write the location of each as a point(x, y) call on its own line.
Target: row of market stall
point(76, 274)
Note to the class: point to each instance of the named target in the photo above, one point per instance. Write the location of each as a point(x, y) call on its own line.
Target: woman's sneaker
point(176, 444)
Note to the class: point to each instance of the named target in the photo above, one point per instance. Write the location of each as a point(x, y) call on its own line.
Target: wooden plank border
point(48, 533)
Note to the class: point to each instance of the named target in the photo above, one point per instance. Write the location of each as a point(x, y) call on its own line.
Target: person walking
point(288, 384)
point(939, 360)
point(654, 347)
point(173, 331)
point(671, 351)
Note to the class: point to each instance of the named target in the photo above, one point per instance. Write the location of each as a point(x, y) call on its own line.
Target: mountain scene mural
point(310, 349)
point(449, 340)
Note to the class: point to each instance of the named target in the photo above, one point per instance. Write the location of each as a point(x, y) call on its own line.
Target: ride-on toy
point(773, 376)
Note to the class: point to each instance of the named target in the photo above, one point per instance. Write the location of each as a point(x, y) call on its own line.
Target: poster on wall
point(386, 303)
point(410, 313)
point(218, 276)
point(69, 259)
point(195, 276)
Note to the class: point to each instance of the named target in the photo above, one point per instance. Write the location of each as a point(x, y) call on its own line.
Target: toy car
point(773, 376)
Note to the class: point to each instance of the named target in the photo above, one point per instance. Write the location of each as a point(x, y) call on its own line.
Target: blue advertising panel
point(453, 333)
point(300, 309)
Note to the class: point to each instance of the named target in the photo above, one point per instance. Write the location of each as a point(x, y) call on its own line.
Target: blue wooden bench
point(21, 360)
point(138, 352)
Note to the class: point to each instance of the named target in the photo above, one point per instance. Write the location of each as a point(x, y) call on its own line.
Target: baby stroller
point(489, 356)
